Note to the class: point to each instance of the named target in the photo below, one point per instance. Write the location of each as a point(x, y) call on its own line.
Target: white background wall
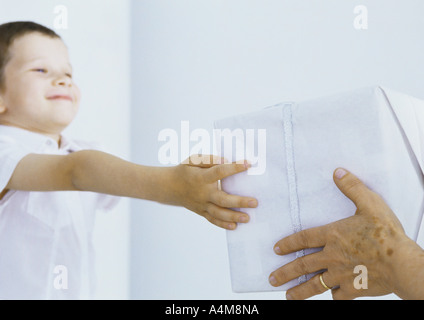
point(201, 60)
point(98, 40)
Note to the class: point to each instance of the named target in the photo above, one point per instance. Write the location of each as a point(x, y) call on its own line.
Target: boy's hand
point(197, 189)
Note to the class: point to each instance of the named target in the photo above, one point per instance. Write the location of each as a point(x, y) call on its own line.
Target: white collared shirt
point(46, 249)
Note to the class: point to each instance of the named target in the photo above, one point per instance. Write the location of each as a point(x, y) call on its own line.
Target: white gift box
point(294, 148)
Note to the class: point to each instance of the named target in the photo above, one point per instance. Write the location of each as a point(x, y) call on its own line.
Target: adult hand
point(371, 238)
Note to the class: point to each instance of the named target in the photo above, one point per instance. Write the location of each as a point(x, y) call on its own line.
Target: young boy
point(46, 222)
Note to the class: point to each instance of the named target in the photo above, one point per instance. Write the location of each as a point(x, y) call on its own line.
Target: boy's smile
point(39, 93)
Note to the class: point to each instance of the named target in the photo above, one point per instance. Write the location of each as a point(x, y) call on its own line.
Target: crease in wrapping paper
point(373, 132)
point(291, 176)
point(409, 114)
point(410, 120)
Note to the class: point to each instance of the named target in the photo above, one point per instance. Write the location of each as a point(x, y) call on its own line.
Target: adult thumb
point(352, 187)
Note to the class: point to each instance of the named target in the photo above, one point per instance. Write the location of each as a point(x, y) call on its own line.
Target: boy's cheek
point(77, 93)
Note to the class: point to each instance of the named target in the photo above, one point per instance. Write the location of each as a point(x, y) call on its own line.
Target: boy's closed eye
point(40, 70)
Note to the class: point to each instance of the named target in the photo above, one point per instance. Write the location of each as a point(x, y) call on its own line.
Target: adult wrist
point(407, 269)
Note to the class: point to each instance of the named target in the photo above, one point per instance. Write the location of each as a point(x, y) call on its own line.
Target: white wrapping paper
point(374, 132)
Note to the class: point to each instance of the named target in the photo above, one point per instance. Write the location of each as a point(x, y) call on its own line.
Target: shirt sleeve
point(11, 154)
point(106, 202)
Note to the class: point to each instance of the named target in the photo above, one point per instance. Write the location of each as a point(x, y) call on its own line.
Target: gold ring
point(323, 283)
point(219, 185)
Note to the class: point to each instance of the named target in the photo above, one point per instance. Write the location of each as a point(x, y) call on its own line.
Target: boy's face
point(39, 94)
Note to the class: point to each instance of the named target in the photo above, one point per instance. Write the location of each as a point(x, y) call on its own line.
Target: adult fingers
point(342, 294)
point(305, 265)
point(353, 188)
point(309, 238)
point(312, 287)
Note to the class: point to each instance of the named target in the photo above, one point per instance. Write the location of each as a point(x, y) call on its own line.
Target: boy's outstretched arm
point(194, 187)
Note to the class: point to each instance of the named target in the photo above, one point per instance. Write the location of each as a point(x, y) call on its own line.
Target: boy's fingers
point(204, 161)
point(225, 200)
point(216, 173)
point(226, 215)
point(219, 223)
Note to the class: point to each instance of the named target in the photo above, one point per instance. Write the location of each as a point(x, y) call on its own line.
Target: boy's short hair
point(13, 30)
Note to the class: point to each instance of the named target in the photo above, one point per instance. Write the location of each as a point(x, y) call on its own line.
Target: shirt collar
point(36, 141)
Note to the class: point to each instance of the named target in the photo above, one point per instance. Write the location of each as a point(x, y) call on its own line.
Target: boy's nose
point(63, 81)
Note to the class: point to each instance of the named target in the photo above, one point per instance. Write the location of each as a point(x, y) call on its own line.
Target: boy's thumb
point(352, 187)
